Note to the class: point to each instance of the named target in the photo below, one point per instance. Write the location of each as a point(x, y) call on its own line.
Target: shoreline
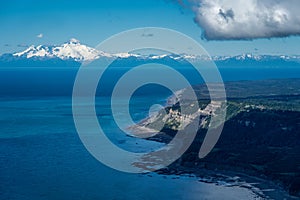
point(254, 156)
point(262, 187)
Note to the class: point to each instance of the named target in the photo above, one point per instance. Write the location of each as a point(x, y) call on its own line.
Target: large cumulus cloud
point(247, 19)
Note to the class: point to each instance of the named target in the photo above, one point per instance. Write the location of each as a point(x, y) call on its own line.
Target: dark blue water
point(42, 156)
point(59, 81)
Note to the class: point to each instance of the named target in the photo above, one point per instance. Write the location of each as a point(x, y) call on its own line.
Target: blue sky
point(93, 21)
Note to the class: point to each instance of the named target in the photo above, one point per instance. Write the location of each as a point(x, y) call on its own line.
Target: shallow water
point(42, 157)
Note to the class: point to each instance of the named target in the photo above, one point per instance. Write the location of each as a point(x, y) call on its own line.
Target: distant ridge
point(74, 51)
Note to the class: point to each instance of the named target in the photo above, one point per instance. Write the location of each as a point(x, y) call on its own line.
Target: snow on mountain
point(34, 51)
point(70, 50)
point(73, 49)
point(255, 57)
point(76, 51)
point(124, 55)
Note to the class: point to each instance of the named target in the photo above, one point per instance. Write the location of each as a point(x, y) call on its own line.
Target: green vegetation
point(260, 137)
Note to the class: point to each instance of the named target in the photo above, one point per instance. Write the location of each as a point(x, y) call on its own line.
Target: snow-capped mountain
point(255, 57)
point(70, 50)
point(74, 51)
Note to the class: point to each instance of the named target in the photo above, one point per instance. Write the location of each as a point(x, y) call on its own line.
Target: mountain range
point(74, 53)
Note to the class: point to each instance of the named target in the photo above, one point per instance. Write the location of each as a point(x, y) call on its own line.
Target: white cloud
point(247, 19)
point(40, 35)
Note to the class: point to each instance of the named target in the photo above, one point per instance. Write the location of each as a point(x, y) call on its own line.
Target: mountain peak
point(76, 51)
point(73, 41)
point(70, 50)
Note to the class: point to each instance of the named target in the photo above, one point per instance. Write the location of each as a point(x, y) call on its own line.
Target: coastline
point(260, 185)
point(221, 169)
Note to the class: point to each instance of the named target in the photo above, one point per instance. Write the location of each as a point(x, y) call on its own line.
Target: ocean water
point(59, 81)
point(42, 156)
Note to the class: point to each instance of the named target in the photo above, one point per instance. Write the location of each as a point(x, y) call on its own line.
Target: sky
point(220, 26)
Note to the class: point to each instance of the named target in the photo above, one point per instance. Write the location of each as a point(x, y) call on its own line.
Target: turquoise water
point(43, 158)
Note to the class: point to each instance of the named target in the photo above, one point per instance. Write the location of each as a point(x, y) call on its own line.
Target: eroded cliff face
point(258, 142)
point(260, 137)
